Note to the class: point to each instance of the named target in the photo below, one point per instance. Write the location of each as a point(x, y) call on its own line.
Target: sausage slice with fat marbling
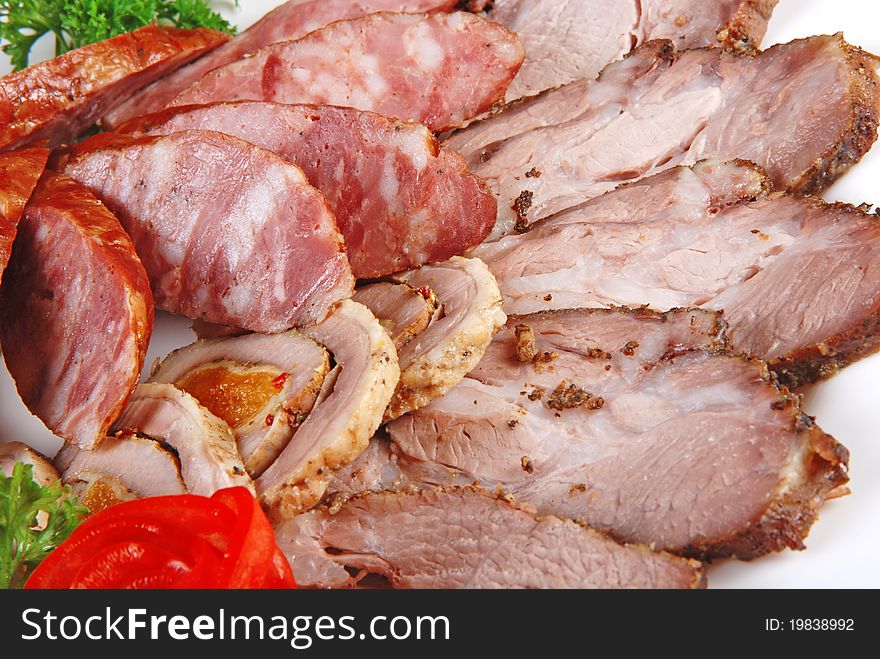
point(229, 233)
point(77, 312)
point(400, 199)
point(54, 101)
point(440, 70)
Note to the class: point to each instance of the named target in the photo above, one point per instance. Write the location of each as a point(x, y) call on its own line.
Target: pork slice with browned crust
point(805, 111)
point(466, 538)
point(640, 424)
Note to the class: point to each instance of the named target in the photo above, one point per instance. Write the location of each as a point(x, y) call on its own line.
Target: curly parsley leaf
point(33, 521)
point(77, 23)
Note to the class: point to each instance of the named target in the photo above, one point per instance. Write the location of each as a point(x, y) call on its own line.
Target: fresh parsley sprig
point(33, 521)
point(76, 23)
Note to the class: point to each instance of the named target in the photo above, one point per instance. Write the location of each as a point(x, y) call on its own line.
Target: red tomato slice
point(182, 541)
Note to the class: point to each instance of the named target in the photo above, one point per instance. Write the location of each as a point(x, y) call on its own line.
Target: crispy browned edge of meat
point(788, 517)
point(332, 505)
point(858, 139)
point(822, 360)
point(748, 26)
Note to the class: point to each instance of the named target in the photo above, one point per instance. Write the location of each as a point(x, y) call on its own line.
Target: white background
point(843, 546)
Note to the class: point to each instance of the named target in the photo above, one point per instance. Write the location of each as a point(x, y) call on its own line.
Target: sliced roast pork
point(262, 385)
point(204, 444)
point(640, 424)
point(141, 466)
point(794, 276)
point(466, 538)
point(12, 453)
point(54, 101)
point(805, 111)
point(440, 70)
point(229, 233)
point(77, 313)
point(347, 413)
point(403, 311)
point(437, 358)
point(399, 199)
point(291, 20)
point(19, 173)
point(567, 41)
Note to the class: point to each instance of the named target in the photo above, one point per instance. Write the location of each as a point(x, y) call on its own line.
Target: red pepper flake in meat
point(278, 382)
point(270, 419)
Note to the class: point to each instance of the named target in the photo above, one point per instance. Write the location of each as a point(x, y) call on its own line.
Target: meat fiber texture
point(436, 358)
point(77, 313)
point(440, 70)
point(567, 41)
point(54, 101)
point(229, 233)
point(804, 111)
point(139, 466)
point(19, 173)
point(794, 276)
point(346, 415)
point(262, 385)
point(399, 199)
point(203, 443)
point(640, 424)
point(465, 538)
point(289, 21)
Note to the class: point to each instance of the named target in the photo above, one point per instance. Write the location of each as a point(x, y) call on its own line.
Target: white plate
point(843, 544)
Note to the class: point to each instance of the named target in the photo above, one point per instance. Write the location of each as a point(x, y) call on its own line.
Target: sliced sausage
point(440, 70)
point(77, 312)
point(228, 232)
point(400, 200)
point(19, 173)
point(291, 20)
point(54, 101)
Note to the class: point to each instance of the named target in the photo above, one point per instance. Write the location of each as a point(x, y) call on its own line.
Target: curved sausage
point(440, 70)
point(54, 101)
point(19, 173)
point(77, 312)
point(229, 233)
point(400, 200)
point(291, 20)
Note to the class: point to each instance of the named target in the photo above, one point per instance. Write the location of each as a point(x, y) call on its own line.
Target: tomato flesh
point(180, 541)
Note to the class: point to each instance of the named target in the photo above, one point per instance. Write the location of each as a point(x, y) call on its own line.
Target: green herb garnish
point(77, 23)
